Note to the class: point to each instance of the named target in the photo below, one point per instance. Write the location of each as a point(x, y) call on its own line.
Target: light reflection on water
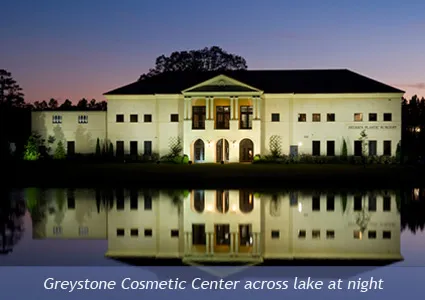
point(92, 226)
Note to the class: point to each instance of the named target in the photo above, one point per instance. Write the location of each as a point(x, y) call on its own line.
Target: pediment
point(221, 83)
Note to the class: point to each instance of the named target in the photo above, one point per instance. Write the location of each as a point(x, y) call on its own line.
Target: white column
point(190, 242)
point(186, 243)
point(259, 107)
point(254, 108)
point(232, 242)
point(236, 108)
point(210, 235)
point(236, 243)
point(185, 108)
point(190, 109)
point(212, 117)
point(232, 108)
point(207, 246)
point(207, 108)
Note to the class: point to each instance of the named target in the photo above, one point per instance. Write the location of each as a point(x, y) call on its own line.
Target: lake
point(113, 227)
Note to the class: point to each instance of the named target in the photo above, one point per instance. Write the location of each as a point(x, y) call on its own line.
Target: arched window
point(246, 150)
point(199, 200)
point(199, 150)
point(222, 201)
point(246, 201)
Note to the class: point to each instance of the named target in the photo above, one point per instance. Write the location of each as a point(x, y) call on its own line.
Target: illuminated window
point(246, 117)
point(358, 117)
point(83, 119)
point(198, 117)
point(302, 117)
point(56, 119)
point(357, 234)
point(330, 117)
point(373, 117)
point(316, 117)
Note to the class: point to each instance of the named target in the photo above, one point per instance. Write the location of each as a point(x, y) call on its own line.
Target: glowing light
point(300, 207)
point(234, 208)
point(418, 129)
point(416, 194)
point(209, 208)
point(300, 144)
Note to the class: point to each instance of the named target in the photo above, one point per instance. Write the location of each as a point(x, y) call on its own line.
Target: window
point(357, 203)
point(330, 148)
point(372, 148)
point(330, 117)
point(388, 117)
point(134, 232)
point(275, 117)
point(120, 118)
point(330, 202)
point(330, 234)
point(315, 234)
point(358, 148)
point(373, 117)
point(246, 117)
point(315, 206)
point(148, 232)
point(357, 234)
point(174, 233)
point(316, 117)
point(245, 235)
point(83, 119)
point(386, 235)
point(198, 234)
point(134, 199)
point(57, 230)
point(147, 147)
point(358, 117)
point(120, 232)
point(302, 117)
point(222, 117)
point(372, 203)
point(70, 148)
point(316, 148)
point(174, 117)
point(371, 234)
point(57, 119)
point(275, 234)
point(133, 148)
point(198, 117)
point(302, 234)
point(147, 118)
point(83, 231)
point(134, 118)
point(386, 203)
point(387, 148)
point(147, 202)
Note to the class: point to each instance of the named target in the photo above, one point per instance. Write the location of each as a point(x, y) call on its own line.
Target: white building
point(232, 225)
point(233, 115)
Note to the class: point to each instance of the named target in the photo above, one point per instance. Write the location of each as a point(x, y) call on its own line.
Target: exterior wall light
point(300, 144)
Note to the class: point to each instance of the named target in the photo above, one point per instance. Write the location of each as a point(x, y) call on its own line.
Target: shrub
point(59, 151)
point(31, 149)
point(97, 147)
point(344, 152)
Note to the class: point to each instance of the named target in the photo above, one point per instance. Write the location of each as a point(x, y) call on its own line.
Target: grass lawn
point(83, 174)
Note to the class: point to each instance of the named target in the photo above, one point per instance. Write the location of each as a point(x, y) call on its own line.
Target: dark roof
point(270, 81)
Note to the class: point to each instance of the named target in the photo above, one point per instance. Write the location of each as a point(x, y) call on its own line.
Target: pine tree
point(60, 151)
point(111, 150)
point(98, 147)
point(31, 149)
point(344, 152)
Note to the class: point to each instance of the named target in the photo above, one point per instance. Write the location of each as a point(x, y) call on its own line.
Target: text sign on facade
point(373, 127)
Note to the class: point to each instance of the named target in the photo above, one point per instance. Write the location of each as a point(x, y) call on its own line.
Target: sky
point(82, 49)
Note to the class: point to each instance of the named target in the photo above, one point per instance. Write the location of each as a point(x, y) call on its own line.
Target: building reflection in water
point(226, 225)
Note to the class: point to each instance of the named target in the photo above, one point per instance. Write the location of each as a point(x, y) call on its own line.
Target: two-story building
point(231, 116)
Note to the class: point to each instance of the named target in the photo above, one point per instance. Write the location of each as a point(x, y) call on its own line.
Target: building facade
point(233, 116)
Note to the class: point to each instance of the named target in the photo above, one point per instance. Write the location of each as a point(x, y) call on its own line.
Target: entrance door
point(222, 149)
point(120, 149)
point(246, 150)
point(222, 238)
point(70, 148)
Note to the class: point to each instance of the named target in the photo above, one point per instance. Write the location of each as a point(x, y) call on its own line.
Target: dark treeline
point(67, 105)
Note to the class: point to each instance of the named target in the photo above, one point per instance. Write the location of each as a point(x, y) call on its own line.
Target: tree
point(59, 151)
point(66, 105)
point(41, 105)
point(398, 153)
point(31, 149)
point(344, 152)
point(10, 92)
point(53, 104)
point(206, 59)
point(82, 104)
point(97, 147)
point(111, 150)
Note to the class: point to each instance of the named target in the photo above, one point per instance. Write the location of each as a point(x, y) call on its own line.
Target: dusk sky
point(83, 48)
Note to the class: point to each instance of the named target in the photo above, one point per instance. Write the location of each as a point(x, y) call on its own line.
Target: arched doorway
point(199, 150)
point(222, 148)
point(246, 150)
point(199, 200)
point(246, 201)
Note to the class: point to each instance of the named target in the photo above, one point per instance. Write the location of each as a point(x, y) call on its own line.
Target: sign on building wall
point(378, 127)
